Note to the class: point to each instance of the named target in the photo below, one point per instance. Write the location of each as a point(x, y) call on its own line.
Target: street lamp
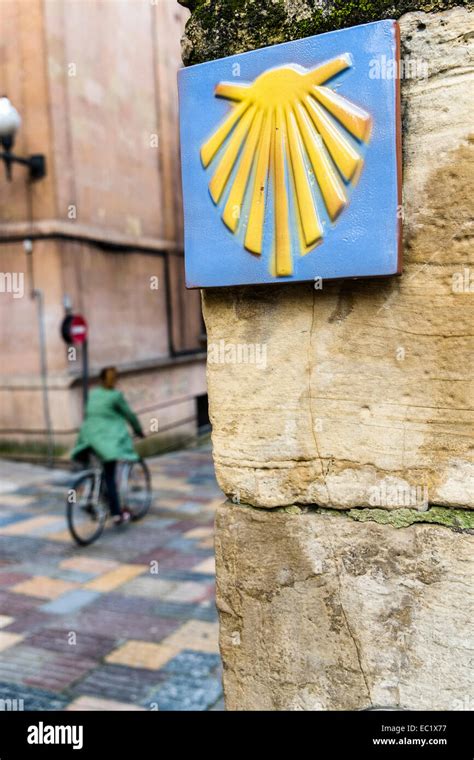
point(9, 124)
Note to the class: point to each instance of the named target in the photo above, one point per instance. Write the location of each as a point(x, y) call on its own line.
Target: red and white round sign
point(78, 329)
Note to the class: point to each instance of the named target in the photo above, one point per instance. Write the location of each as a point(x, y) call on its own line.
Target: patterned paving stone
point(207, 612)
point(185, 524)
point(59, 479)
point(31, 491)
point(194, 664)
point(195, 634)
point(162, 524)
point(186, 575)
point(149, 586)
point(168, 492)
point(62, 536)
point(8, 518)
point(207, 543)
point(28, 621)
point(15, 499)
point(122, 625)
point(48, 549)
point(33, 526)
point(178, 610)
point(188, 591)
point(169, 559)
point(156, 588)
point(204, 496)
point(160, 542)
point(120, 683)
point(168, 509)
point(190, 507)
point(207, 566)
point(71, 575)
point(181, 544)
point(29, 698)
point(199, 533)
point(43, 587)
point(181, 693)
point(141, 654)
point(49, 567)
point(53, 528)
point(13, 604)
point(89, 565)
point(115, 578)
point(71, 602)
point(126, 543)
point(22, 547)
point(48, 670)
point(130, 605)
point(10, 579)
point(158, 550)
point(72, 643)
point(210, 592)
point(8, 639)
point(112, 605)
point(182, 611)
point(94, 704)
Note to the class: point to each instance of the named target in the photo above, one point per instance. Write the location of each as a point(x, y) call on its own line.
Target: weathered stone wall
point(318, 612)
point(224, 27)
point(367, 391)
point(368, 385)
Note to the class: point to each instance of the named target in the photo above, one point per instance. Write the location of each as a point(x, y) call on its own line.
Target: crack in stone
point(349, 629)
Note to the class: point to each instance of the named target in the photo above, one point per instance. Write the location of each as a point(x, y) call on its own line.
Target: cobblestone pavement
point(97, 628)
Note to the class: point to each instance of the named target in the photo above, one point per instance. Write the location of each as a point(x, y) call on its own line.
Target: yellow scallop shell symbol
point(288, 132)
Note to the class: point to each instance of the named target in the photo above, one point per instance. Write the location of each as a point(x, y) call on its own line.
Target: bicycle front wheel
point(137, 489)
point(86, 513)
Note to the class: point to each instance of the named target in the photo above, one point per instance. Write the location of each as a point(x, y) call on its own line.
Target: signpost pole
point(85, 375)
point(73, 332)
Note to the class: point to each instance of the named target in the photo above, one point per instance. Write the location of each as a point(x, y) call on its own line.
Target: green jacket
point(104, 429)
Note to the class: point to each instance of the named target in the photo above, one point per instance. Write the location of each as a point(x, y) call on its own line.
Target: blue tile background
point(364, 240)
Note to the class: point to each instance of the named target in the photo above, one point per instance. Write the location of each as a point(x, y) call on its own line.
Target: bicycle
point(87, 504)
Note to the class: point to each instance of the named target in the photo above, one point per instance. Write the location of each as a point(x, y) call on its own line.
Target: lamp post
point(10, 122)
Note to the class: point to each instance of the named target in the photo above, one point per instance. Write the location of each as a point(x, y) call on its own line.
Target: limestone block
point(343, 615)
point(367, 385)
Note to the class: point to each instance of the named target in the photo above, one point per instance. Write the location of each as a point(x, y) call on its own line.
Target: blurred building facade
point(95, 85)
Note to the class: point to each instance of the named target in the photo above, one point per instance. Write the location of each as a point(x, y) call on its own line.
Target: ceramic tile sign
point(291, 161)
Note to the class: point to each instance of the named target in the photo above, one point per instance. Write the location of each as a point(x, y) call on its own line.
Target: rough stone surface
point(368, 384)
point(343, 615)
point(223, 27)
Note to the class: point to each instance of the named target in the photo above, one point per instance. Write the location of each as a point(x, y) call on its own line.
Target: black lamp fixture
point(10, 122)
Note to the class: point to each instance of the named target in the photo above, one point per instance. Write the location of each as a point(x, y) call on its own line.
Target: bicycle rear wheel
point(86, 512)
point(136, 495)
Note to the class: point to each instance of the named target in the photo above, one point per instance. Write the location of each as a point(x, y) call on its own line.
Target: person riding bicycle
point(105, 433)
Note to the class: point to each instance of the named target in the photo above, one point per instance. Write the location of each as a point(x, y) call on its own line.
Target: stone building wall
point(95, 85)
